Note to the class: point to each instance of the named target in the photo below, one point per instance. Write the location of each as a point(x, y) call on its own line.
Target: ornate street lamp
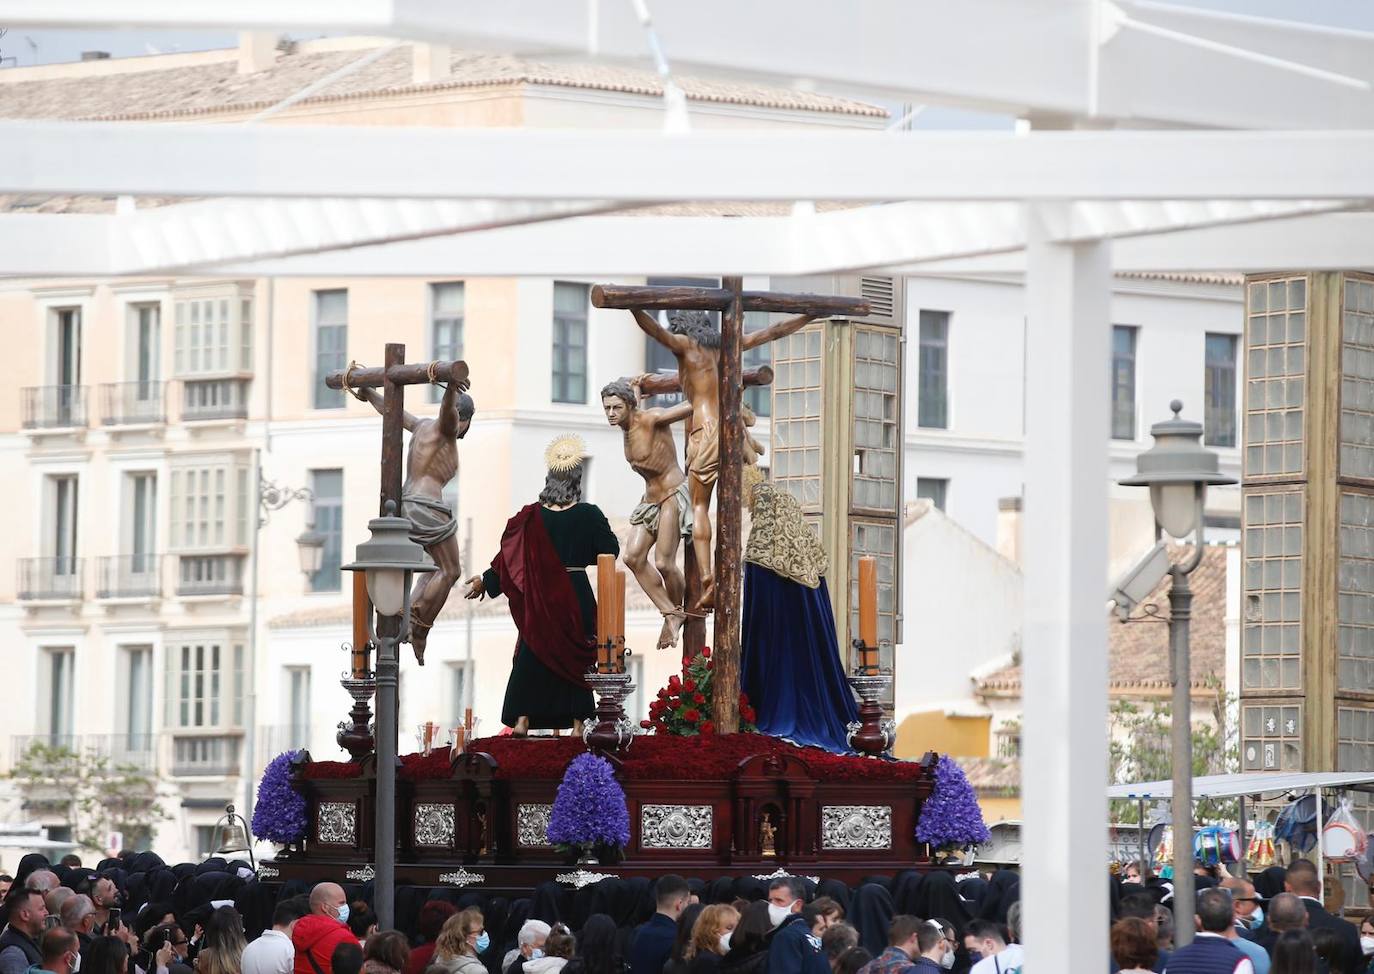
point(1178, 470)
point(310, 549)
point(389, 559)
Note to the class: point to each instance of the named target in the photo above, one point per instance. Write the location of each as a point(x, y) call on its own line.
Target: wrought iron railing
point(210, 575)
point(214, 399)
point(128, 576)
point(54, 407)
point(205, 755)
point(50, 578)
point(132, 403)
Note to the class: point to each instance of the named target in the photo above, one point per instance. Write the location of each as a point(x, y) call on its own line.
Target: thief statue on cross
point(431, 463)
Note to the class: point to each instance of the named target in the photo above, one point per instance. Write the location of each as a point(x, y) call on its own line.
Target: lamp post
point(389, 558)
point(310, 549)
point(1178, 470)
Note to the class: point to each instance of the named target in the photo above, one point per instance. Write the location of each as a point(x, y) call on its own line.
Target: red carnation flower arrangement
point(683, 707)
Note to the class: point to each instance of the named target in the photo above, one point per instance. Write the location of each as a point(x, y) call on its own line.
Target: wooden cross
point(392, 378)
point(732, 301)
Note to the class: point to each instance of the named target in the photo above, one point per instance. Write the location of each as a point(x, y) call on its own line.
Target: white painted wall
point(963, 611)
point(981, 453)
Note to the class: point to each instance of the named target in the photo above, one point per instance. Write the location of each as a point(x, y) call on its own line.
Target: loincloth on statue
point(649, 514)
point(431, 521)
point(703, 453)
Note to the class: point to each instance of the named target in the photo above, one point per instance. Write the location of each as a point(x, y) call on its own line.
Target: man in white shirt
point(273, 952)
point(986, 944)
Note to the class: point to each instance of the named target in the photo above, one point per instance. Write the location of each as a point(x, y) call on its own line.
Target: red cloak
point(542, 602)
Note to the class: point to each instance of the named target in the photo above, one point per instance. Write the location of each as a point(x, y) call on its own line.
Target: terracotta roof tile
point(992, 774)
point(1220, 278)
point(217, 87)
point(1139, 650)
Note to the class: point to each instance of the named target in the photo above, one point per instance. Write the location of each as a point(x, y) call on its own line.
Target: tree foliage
point(1140, 750)
point(95, 794)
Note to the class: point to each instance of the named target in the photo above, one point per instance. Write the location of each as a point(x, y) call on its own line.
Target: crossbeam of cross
point(732, 301)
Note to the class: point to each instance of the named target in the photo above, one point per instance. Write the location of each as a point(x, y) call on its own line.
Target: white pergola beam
point(1065, 630)
point(888, 47)
point(315, 161)
point(1335, 241)
point(423, 237)
point(1063, 58)
point(182, 237)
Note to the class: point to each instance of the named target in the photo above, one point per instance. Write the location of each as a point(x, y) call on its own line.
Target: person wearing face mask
point(461, 940)
point(1367, 943)
point(791, 949)
point(1249, 914)
point(61, 953)
point(711, 938)
point(989, 951)
point(529, 943)
point(316, 935)
point(936, 951)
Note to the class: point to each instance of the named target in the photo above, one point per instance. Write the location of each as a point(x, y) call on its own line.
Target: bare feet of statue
point(521, 728)
point(672, 625)
point(419, 638)
point(577, 729)
point(707, 602)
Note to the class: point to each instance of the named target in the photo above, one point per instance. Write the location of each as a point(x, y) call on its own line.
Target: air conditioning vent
point(880, 293)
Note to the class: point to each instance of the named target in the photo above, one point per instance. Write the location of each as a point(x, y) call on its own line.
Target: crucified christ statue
point(695, 343)
point(431, 463)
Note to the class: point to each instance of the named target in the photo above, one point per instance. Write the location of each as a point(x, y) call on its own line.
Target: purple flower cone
point(951, 816)
point(279, 814)
point(590, 806)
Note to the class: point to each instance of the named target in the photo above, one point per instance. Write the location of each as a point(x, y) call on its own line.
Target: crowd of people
point(1276, 924)
point(136, 915)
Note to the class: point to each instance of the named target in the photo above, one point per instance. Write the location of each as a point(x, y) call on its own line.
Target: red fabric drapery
point(542, 603)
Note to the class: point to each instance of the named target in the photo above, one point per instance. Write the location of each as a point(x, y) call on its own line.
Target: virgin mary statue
point(790, 663)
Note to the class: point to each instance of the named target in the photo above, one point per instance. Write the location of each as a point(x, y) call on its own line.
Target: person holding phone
point(105, 896)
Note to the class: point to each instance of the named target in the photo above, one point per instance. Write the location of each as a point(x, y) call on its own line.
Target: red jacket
point(318, 935)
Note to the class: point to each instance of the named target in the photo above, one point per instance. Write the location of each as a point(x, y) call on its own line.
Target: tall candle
point(361, 607)
point(618, 660)
point(605, 601)
point(868, 612)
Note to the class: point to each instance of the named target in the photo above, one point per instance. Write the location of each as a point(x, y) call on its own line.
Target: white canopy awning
point(1236, 785)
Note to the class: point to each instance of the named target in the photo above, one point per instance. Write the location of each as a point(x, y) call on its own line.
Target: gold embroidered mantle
point(781, 540)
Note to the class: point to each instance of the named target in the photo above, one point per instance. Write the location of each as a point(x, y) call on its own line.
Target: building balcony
point(273, 739)
point(128, 577)
point(40, 749)
point(205, 755)
point(132, 404)
point(214, 399)
point(218, 574)
point(50, 579)
point(125, 750)
point(54, 407)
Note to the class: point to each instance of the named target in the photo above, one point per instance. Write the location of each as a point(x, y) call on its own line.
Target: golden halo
point(565, 452)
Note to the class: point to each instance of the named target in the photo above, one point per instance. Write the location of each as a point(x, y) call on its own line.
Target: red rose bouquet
point(684, 706)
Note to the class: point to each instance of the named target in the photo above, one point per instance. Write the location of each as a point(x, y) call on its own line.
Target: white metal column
point(1064, 649)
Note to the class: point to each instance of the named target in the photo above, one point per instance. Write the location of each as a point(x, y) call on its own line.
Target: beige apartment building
point(147, 414)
